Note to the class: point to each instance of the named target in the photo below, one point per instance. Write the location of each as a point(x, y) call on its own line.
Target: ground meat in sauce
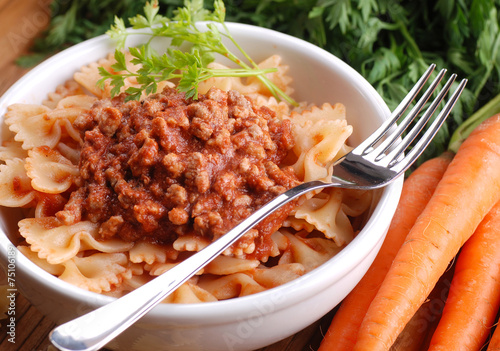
point(170, 166)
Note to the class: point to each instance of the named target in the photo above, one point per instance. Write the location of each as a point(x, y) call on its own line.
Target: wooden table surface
point(20, 22)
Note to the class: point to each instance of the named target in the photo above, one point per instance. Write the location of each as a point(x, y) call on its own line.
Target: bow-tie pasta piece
point(20, 115)
point(189, 293)
point(58, 243)
point(356, 202)
point(19, 112)
point(298, 224)
point(129, 284)
point(319, 141)
point(10, 150)
point(54, 269)
point(311, 252)
point(37, 125)
point(15, 185)
point(150, 253)
point(70, 151)
point(79, 103)
point(281, 108)
point(280, 242)
point(325, 213)
point(47, 205)
point(82, 101)
point(278, 275)
point(158, 268)
point(223, 265)
point(50, 171)
point(230, 286)
point(98, 272)
point(326, 112)
point(191, 243)
point(69, 88)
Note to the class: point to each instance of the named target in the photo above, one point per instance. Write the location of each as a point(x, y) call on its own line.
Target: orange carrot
point(469, 189)
point(416, 335)
point(417, 190)
point(494, 344)
point(474, 298)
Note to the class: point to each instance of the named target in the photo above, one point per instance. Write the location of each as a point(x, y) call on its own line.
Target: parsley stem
point(277, 92)
point(211, 73)
point(463, 131)
point(411, 42)
point(489, 68)
point(243, 52)
point(234, 72)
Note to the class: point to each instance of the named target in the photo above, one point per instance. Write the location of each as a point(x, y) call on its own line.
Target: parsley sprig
point(188, 67)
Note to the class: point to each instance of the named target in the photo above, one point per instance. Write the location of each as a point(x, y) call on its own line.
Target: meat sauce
point(170, 166)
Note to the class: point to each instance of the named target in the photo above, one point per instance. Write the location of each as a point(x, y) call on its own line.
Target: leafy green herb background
point(389, 42)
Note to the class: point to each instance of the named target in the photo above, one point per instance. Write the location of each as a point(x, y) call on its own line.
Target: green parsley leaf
point(190, 67)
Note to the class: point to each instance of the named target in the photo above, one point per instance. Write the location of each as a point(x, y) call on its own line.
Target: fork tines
point(385, 146)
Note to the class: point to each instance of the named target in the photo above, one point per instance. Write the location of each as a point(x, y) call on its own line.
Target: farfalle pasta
point(35, 125)
point(98, 272)
point(15, 185)
point(89, 75)
point(49, 171)
point(119, 192)
point(58, 243)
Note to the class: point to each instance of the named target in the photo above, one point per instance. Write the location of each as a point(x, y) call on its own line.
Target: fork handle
point(94, 330)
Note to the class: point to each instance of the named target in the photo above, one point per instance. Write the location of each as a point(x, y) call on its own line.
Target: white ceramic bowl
point(245, 323)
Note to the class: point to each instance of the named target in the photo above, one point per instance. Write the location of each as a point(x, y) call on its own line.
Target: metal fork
point(374, 163)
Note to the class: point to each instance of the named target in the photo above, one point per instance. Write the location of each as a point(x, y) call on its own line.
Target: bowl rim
point(295, 290)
